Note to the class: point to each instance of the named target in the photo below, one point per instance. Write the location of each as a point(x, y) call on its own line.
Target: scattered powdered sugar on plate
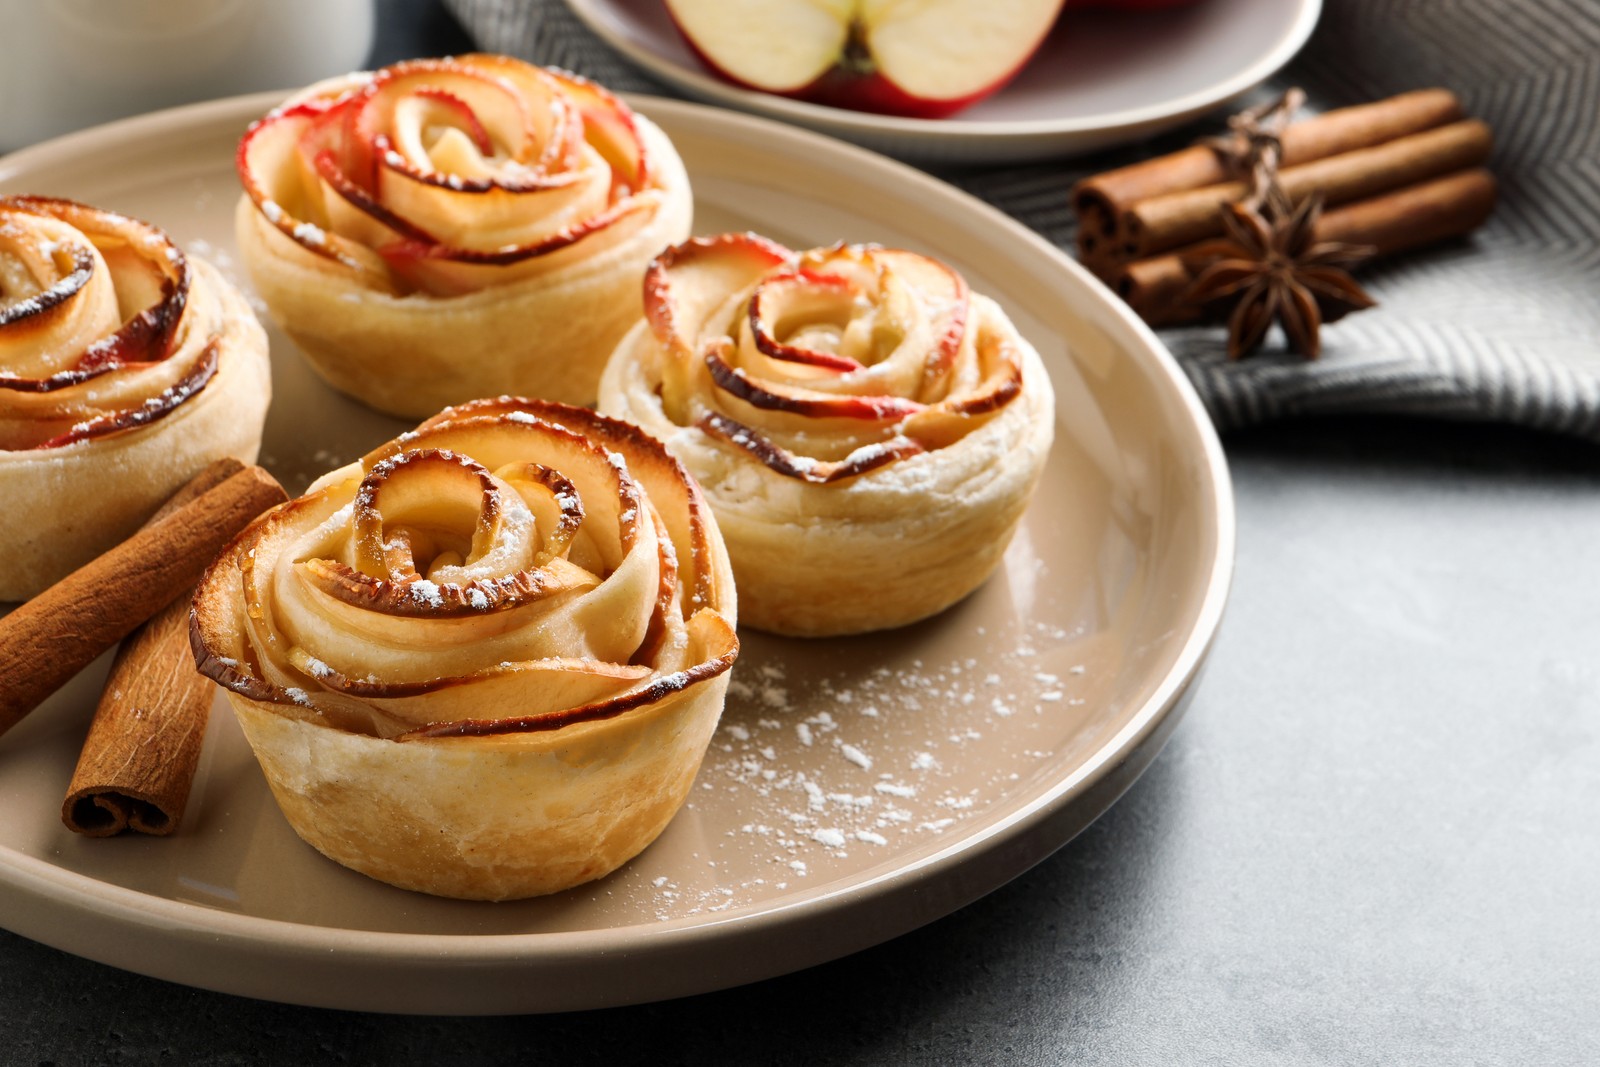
point(819, 767)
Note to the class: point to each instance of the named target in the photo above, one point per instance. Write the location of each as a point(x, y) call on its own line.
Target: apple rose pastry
point(484, 661)
point(868, 430)
point(449, 229)
point(125, 367)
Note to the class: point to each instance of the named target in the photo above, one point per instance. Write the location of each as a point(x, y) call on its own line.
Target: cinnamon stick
point(1390, 223)
point(1101, 201)
point(139, 759)
point(143, 747)
point(56, 634)
point(1166, 222)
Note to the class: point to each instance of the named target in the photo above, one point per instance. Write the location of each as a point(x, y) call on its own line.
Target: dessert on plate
point(125, 367)
point(868, 430)
point(485, 660)
point(447, 229)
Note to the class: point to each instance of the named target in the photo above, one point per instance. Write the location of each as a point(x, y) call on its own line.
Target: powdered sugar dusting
point(828, 761)
point(426, 592)
point(856, 756)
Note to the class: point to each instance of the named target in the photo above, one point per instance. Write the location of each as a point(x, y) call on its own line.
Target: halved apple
point(918, 58)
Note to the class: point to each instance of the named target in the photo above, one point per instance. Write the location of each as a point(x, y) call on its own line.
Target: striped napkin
point(1504, 326)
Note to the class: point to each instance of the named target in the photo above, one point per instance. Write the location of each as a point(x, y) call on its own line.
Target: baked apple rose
point(485, 660)
point(447, 229)
point(125, 367)
point(867, 429)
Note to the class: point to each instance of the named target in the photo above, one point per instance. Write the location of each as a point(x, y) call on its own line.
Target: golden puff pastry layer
point(125, 367)
point(868, 431)
point(485, 660)
point(448, 229)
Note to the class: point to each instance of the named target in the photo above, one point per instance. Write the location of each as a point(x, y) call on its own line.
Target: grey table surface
point(1374, 839)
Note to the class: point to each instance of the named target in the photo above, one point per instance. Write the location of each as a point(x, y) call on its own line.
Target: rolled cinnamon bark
point(1390, 223)
point(1414, 216)
point(143, 747)
point(1102, 200)
point(139, 759)
point(1166, 222)
point(56, 634)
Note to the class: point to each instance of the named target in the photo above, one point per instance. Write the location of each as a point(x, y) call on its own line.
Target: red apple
point(924, 59)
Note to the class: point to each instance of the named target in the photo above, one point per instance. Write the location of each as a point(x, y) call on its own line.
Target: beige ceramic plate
point(1101, 78)
point(856, 788)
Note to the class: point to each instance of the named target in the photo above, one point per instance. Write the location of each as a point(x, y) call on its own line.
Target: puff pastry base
point(486, 818)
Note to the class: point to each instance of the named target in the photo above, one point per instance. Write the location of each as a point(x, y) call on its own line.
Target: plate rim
point(954, 129)
point(56, 890)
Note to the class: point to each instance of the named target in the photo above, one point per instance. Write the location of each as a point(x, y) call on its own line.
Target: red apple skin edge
point(871, 91)
point(875, 93)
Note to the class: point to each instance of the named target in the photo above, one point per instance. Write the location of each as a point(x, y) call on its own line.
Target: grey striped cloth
point(1504, 326)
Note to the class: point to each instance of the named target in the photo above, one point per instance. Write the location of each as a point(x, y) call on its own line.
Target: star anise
point(1270, 266)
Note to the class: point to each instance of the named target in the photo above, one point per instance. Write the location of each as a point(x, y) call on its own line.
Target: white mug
point(68, 64)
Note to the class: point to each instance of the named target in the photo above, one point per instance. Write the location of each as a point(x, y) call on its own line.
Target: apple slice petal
point(355, 213)
point(445, 270)
point(856, 320)
point(609, 129)
point(943, 295)
point(806, 295)
point(573, 109)
point(155, 408)
point(554, 118)
point(554, 500)
point(486, 216)
point(407, 103)
point(677, 500)
point(333, 133)
point(607, 493)
point(151, 274)
point(687, 281)
point(997, 370)
point(417, 598)
point(926, 297)
point(534, 688)
point(56, 295)
point(428, 490)
point(858, 461)
point(712, 647)
point(269, 155)
point(272, 162)
point(776, 396)
point(452, 104)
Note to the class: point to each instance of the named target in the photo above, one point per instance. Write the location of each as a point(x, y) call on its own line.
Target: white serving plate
point(1011, 720)
point(1100, 79)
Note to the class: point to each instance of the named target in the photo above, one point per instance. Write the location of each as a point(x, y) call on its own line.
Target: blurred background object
point(68, 64)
